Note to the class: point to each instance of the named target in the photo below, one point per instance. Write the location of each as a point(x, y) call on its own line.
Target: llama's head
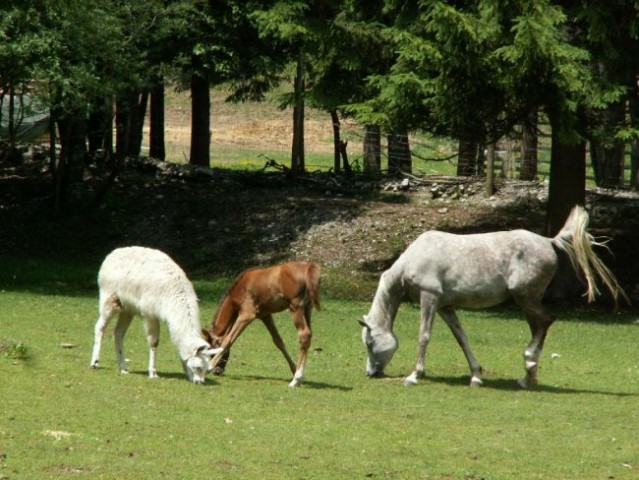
point(197, 366)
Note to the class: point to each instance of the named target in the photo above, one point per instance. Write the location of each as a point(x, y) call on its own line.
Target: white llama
point(146, 282)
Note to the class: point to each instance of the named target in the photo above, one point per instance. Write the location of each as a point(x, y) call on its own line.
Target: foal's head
point(381, 345)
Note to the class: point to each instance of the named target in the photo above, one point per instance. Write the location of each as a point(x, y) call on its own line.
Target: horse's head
point(381, 345)
point(197, 366)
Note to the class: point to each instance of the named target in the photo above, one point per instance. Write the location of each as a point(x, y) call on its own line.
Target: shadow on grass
point(305, 383)
point(509, 384)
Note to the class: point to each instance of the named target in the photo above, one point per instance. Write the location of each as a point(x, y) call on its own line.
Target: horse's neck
point(387, 298)
point(224, 318)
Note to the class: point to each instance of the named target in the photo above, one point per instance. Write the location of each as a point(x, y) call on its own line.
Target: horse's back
point(478, 270)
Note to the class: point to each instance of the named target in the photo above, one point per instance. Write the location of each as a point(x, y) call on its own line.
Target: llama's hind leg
point(109, 306)
point(122, 325)
point(152, 326)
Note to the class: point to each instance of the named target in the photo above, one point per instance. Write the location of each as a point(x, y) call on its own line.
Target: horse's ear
point(207, 336)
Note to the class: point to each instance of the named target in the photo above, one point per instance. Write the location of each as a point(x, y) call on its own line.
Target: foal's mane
point(226, 295)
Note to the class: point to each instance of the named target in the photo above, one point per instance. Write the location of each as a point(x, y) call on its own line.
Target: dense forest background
point(472, 71)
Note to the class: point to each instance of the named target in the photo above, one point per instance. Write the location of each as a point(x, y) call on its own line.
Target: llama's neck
point(184, 327)
point(387, 298)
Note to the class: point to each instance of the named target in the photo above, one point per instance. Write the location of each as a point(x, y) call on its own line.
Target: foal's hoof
point(218, 371)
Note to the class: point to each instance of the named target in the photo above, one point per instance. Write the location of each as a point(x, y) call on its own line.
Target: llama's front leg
point(152, 326)
point(451, 319)
point(428, 304)
point(122, 325)
point(108, 308)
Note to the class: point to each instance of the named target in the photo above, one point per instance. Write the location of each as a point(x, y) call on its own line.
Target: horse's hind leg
point(302, 321)
point(451, 319)
point(539, 321)
point(277, 339)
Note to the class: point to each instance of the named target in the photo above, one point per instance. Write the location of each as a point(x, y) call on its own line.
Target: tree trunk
point(633, 105)
point(100, 130)
point(297, 153)
point(70, 163)
point(399, 156)
point(138, 104)
point(467, 158)
point(336, 141)
point(372, 149)
point(200, 121)
point(567, 186)
point(122, 128)
point(606, 153)
point(344, 154)
point(156, 120)
point(490, 170)
point(529, 146)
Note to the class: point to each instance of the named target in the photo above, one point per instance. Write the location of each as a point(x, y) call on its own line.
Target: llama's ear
point(211, 352)
point(364, 324)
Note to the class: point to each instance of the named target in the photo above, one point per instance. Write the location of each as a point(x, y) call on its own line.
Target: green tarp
point(30, 117)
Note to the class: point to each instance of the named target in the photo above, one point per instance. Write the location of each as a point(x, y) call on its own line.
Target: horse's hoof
point(411, 380)
point(522, 384)
point(94, 366)
point(218, 371)
point(476, 382)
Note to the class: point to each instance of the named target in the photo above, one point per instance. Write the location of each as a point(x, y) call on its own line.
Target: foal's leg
point(108, 308)
point(277, 339)
point(539, 321)
point(302, 321)
point(122, 325)
point(429, 307)
point(238, 327)
point(152, 326)
point(451, 319)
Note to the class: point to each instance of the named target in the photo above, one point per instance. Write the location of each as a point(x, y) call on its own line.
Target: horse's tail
point(313, 273)
point(577, 243)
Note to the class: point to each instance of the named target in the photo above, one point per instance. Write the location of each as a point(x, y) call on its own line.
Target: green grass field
point(60, 419)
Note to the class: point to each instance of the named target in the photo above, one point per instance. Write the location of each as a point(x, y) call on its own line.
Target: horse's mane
point(226, 295)
point(388, 296)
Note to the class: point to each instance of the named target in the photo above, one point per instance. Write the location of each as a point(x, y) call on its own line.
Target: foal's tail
point(313, 272)
point(578, 244)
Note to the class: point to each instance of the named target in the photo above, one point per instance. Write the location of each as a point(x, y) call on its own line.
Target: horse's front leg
point(238, 327)
point(428, 309)
point(452, 320)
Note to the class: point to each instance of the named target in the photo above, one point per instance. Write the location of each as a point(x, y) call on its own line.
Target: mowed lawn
point(60, 419)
